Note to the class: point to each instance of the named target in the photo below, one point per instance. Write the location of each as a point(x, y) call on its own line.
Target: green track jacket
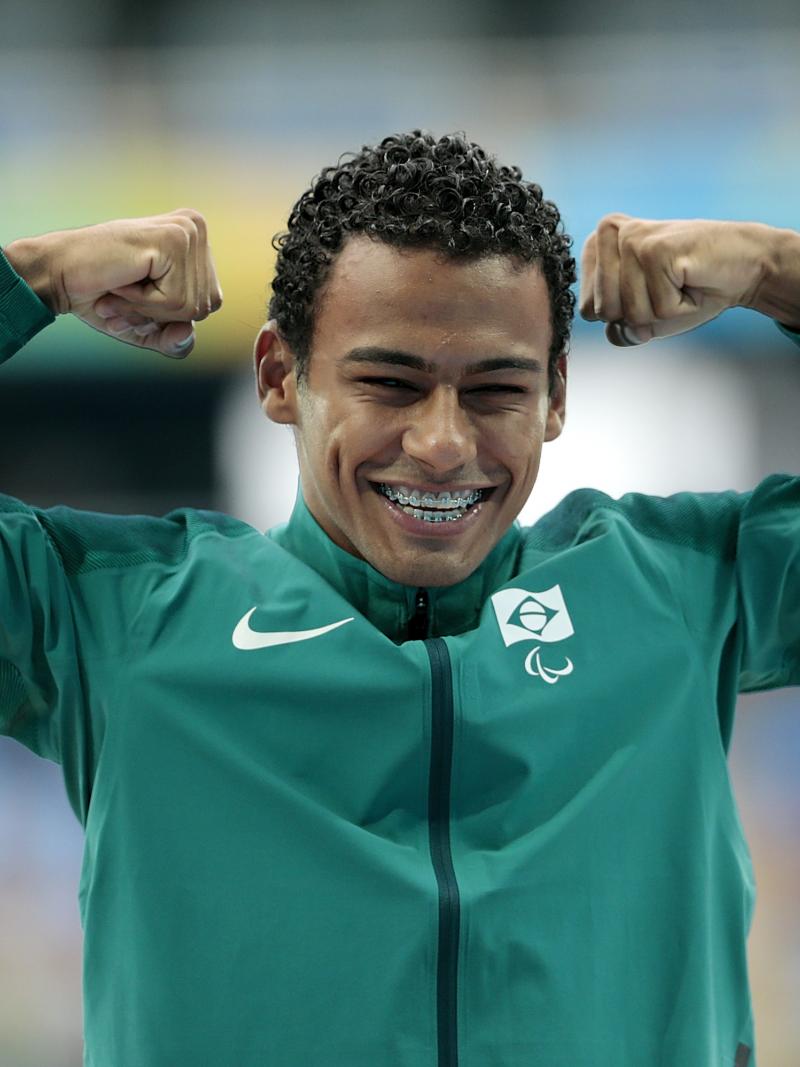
point(310, 840)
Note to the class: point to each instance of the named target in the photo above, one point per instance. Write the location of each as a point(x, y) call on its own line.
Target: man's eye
point(391, 383)
point(397, 384)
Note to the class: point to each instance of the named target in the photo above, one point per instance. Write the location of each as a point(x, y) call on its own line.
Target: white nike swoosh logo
point(247, 639)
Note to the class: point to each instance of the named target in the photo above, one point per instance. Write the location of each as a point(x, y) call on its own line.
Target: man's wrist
point(777, 294)
point(29, 256)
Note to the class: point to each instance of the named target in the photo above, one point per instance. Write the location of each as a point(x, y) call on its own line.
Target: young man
point(384, 787)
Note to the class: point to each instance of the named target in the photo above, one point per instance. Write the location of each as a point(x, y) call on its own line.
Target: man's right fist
point(142, 281)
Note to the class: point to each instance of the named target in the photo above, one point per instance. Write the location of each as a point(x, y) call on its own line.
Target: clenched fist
point(142, 281)
point(651, 279)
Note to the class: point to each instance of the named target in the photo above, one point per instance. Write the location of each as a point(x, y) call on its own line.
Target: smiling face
point(426, 375)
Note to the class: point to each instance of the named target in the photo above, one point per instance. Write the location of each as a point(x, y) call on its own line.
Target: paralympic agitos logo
point(541, 617)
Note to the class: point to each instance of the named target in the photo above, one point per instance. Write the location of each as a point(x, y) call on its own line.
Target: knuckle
point(636, 315)
point(662, 306)
point(177, 236)
point(174, 302)
point(632, 231)
point(648, 249)
point(614, 220)
point(195, 219)
point(186, 212)
point(605, 305)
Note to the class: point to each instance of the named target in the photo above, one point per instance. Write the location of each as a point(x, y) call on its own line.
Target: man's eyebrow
point(395, 358)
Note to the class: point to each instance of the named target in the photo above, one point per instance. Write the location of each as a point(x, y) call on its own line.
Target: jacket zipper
point(418, 623)
point(439, 836)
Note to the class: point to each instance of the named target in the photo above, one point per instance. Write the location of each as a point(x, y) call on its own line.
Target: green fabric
point(261, 878)
point(22, 313)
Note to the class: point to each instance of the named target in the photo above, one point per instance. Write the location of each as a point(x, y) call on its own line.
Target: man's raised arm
point(142, 281)
point(649, 279)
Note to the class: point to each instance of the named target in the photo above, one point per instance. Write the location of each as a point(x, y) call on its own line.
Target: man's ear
point(557, 411)
point(276, 379)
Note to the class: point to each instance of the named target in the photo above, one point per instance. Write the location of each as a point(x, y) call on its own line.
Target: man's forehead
point(363, 259)
point(375, 285)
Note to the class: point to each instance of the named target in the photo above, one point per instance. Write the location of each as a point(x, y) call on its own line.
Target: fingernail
point(181, 346)
point(626, 335)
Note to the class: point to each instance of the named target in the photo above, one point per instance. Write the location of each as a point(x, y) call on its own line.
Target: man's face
point(410, 389)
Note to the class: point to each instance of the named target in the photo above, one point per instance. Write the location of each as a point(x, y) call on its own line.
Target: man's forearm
point(141, 281)
point(778, 294)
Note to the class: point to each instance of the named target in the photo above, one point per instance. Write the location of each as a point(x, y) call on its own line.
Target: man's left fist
point(651, 279)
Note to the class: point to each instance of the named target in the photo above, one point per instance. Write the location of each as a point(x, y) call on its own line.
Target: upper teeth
point(413, 498)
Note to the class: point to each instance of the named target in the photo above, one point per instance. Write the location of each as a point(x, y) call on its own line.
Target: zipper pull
point(418, 623)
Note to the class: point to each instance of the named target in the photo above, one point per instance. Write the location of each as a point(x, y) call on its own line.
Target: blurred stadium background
point(117, 110)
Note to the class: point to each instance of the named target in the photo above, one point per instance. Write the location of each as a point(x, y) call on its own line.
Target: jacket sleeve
point(768, 567)
point(768, 584)
point(40, 663)
point(22, 313)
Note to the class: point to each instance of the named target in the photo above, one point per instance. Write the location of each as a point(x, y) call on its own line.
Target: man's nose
point(440, 434)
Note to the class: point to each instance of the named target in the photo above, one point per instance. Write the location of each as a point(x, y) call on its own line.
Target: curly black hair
point(412, 190)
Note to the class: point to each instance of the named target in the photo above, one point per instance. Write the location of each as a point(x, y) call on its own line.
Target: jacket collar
point(389, 605)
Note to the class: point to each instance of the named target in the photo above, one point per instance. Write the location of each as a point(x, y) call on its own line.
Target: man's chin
point(437, 571)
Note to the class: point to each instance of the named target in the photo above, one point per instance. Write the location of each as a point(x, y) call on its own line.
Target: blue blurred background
point(120, 110)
